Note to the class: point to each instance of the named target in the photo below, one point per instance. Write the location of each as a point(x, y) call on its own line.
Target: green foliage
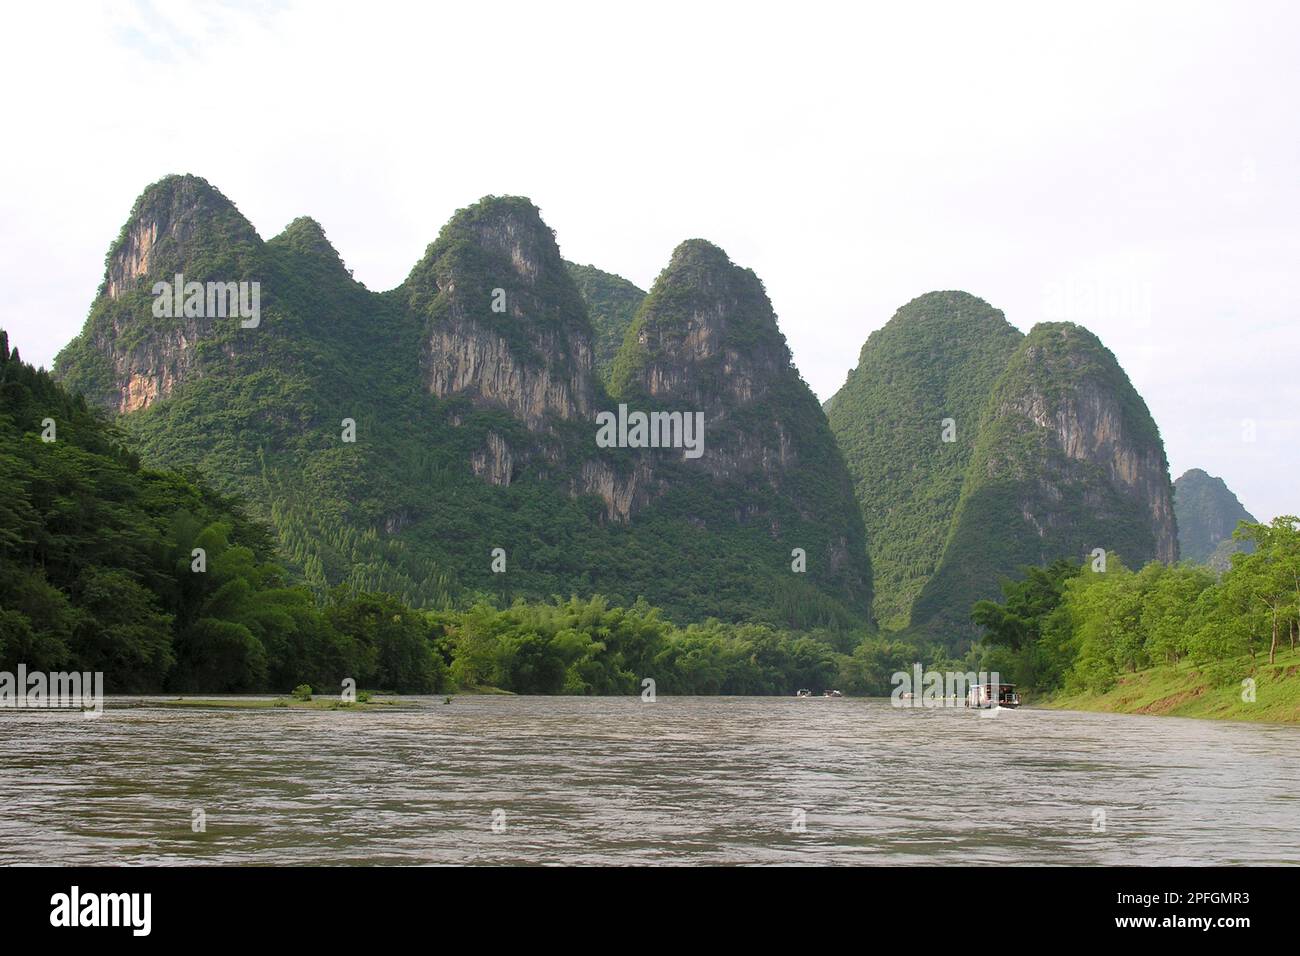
point(1083, 630)
point(158, 580)
point(612, 303)
point(937, 358)
point(392, 646)
point(302, 692)
point(589, 647)
point(1017, 622)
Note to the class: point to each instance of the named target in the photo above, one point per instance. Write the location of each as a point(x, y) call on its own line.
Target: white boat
point(993, 696)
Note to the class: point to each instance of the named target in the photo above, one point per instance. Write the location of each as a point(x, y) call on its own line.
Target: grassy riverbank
point(1211, 691)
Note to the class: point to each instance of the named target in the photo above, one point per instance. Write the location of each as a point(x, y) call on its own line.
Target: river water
point(547, 780)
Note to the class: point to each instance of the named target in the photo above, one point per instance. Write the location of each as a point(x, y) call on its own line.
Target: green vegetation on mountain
point(1208, 512)
point(471, 391)
point(706, 339)
point(473, 426)
point(98, 572)
point(1067, 461)
point(156, 579)
point(612, 303)
point(936, 359)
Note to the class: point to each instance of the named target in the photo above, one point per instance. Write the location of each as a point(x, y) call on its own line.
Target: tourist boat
point(832, 693)
point(803, 692)
point(989, 695)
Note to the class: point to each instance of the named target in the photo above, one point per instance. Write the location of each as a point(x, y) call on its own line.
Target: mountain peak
point(307, 237)
point(934, 361)
point(946, 297)
point(1208, 513)
point(504, 323)
point(612, 304)
point(705, 267)
point(699, 252)
point(702, 310)
point(1199, 474)
point(179, 222)
point(507, 229)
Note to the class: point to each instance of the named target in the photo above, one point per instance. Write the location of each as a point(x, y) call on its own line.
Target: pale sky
point(1131, 167)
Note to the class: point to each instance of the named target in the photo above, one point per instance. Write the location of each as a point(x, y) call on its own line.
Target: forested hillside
point(162, 583)
point(1067, 462)
point(395, 441)
point(612, 303)
point(906, 420)
point(156, 579)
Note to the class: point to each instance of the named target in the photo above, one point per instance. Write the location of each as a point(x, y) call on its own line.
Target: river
point(553, 780)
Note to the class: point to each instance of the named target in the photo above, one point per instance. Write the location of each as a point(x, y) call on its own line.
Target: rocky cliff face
point(1067, 460)
point(393, 440)
point(504, 323)
point(706, 341)
point(1088, 427)
point(130, 358)
point(1208, 512)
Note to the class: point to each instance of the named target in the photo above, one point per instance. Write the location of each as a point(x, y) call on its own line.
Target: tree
point(1271, 575)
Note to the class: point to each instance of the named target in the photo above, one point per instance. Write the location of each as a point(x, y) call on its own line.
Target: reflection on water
point(618, 780)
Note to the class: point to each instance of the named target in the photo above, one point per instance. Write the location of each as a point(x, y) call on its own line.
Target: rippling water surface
point(616, 780)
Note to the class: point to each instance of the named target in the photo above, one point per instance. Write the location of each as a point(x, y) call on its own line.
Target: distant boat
point(832, 693)
point(990, 695)
point(803, 692)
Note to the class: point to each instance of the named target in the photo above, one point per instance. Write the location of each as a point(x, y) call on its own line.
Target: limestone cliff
point(395, 440)
point(128, 358)
point(1067, 460)
point(706, 340)
point(504, 323)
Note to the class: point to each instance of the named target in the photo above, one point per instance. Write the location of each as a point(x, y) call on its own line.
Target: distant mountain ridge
point(1208, 512)
point(957, 450)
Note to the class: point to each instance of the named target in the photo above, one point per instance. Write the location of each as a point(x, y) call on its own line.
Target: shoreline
point(1240, 689)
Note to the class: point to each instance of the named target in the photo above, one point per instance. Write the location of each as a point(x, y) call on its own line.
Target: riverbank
point(1215, 691)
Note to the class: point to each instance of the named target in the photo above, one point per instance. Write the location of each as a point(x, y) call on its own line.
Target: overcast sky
point(1132, 167)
